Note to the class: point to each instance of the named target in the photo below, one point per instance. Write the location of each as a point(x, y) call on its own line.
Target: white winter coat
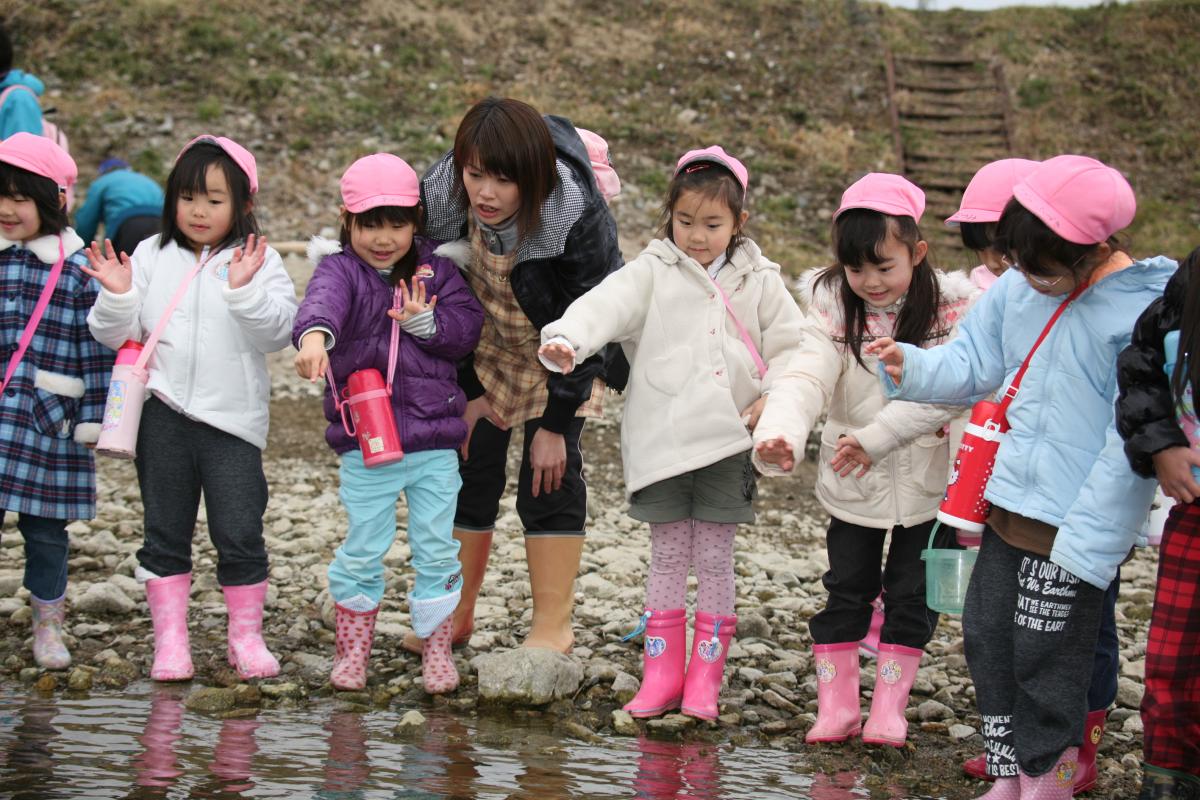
point(907, 479)
point(210, 363)
point(691, 375)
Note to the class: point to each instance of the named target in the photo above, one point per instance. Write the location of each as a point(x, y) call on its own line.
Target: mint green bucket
point(947, 573)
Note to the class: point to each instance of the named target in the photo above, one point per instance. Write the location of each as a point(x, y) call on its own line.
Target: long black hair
point(190, 174)
point(858, 235)
point(1187, 367)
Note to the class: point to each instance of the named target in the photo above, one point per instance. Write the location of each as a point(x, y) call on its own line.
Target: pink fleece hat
point(597, 150)
point(240, 155)
point(990, 190)
point(380, 179)
point(886, 193)
point(41, 156)
point(716, 155)
point(1079, 198)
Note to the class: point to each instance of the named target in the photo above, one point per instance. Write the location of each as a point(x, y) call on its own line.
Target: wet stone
point(46, 684)
point(624, 687)
point(527, 676)
point(581, 732)
point(80, 680)
point(210, 700)
point(117, 673)
point(623, 723)
point(670, 725)
point(279, 690)
point(412, 722)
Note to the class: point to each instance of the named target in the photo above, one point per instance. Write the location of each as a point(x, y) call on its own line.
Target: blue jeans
point(1103, 689)
point(45, 555)
point(430, 482)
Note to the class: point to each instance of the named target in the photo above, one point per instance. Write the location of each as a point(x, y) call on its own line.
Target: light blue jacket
point(115, 197)
point(21, 111)
point(1062, 462)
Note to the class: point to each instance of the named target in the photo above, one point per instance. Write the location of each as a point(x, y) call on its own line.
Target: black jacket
point(574, 248)
point(1146, 411)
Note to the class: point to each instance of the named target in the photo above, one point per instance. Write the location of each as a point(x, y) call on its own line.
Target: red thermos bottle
point(964, 506)
point(372, 419)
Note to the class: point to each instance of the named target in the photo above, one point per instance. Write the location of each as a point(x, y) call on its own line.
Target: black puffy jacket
point(1146, 412)
point(574, 248)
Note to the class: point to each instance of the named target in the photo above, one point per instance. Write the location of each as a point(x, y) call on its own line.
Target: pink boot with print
point(1057, 784)
point(437, 665)
point(48, 649)
point(664, 651)
point(353, 639)
point(247, 652)
point(710, 647)
point(1003, 789)
point(168, 601)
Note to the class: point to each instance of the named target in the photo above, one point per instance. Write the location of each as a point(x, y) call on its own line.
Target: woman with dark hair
point(519, 188)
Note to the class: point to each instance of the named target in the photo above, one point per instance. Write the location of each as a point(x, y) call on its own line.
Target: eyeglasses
point(1045, 283)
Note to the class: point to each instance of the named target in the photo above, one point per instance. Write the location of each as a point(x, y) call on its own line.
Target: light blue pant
point(430, 482)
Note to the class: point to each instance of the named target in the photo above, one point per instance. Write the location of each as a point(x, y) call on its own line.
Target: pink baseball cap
point(240, 155)
point(597, 150)
point(1079, 198)
point(41, 156)
point(716, 155)
point(886, 193)
point(990, 190)
point(380, 179)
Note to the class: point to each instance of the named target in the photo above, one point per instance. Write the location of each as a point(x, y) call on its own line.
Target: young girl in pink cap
point(204, 423)
point(708, 324)
point(55, 381)
point(982, 204)
point(883, 465)
point(1066, 507)
point(383, 282)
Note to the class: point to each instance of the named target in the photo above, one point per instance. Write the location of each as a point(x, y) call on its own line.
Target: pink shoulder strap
point(156, 334)
point(759, 364)
point(36, 316)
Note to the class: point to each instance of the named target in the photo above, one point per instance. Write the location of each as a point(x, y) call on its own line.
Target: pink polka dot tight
point(674, 547)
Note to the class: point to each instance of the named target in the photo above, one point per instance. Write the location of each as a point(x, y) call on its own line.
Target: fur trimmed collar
point(319, 247)
point(956, 290)
point(46, 247)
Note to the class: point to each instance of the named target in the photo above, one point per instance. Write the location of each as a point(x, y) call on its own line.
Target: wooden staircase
point(950, 116)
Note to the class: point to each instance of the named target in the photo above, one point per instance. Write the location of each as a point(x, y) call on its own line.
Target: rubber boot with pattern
point(706, 669)
point(895, 670)
point(474, 549)
point(49, 651)
point(354, 635)
point(1058, 783)
point(168, 601)
point(437, 664)
point(247, 652)
point(664, 652)
point(839, 715)
point(1003, 789)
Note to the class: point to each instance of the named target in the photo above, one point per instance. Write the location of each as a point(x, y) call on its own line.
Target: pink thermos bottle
point(964, 506)
point(123, 409)
point(372, 418)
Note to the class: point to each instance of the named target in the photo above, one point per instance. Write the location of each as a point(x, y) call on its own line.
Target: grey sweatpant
point(1030, 630)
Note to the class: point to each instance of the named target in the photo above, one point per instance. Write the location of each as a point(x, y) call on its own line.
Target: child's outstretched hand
point(890, 354)
point(113, 273)
point(752, 412)
point(313, 359)
point(247, 261)
point(559, 354)
point(412, 301)
point(849, 454)
point(778, 452)
point(1173, 467)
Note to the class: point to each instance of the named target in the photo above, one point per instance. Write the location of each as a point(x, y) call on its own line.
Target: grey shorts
point(720, 492)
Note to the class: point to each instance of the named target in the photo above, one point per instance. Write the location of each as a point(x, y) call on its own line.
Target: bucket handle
point(933, 533)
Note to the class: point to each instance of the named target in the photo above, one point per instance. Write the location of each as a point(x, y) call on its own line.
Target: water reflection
point(144, 744)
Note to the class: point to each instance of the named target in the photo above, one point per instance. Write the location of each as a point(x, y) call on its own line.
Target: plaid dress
point(61, 382)
point(506, 358)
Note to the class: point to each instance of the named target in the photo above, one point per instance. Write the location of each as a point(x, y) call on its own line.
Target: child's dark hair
point(52, 213)
point(506, 137)
point(6, 50)
point(1187, 368)
point(858, 235)
point(977, 236)
point(403, 269)
point(1035, 249)
point(189, 175)
point(711, 182)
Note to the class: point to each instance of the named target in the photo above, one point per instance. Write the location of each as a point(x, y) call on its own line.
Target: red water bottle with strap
point(964, 506)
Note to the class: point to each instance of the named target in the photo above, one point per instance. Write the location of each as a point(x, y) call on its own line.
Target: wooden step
point(952, 128)
point(940, 60)
point(944, 86)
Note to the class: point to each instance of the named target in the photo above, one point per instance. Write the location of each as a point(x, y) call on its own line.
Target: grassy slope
point(793, 86)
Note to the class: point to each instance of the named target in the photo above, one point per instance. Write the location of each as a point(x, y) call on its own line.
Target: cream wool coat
point(907, 480)
point(691, 375)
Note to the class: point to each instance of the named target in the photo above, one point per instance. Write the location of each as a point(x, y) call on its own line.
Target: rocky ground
point(769, 699)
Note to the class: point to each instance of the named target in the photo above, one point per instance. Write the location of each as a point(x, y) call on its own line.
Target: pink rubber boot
point(869, 646)
point(895, 670)
point(710, 647)
point(664, 651)
point(838, 713)
point(1057, 784)
point(437, 665)
point(48, 649)
point(168, 601)
point(1003, 789)
point(354, 636)
point(247, 651)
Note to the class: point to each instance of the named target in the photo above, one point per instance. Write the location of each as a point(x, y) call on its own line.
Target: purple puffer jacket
point(347, 296)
